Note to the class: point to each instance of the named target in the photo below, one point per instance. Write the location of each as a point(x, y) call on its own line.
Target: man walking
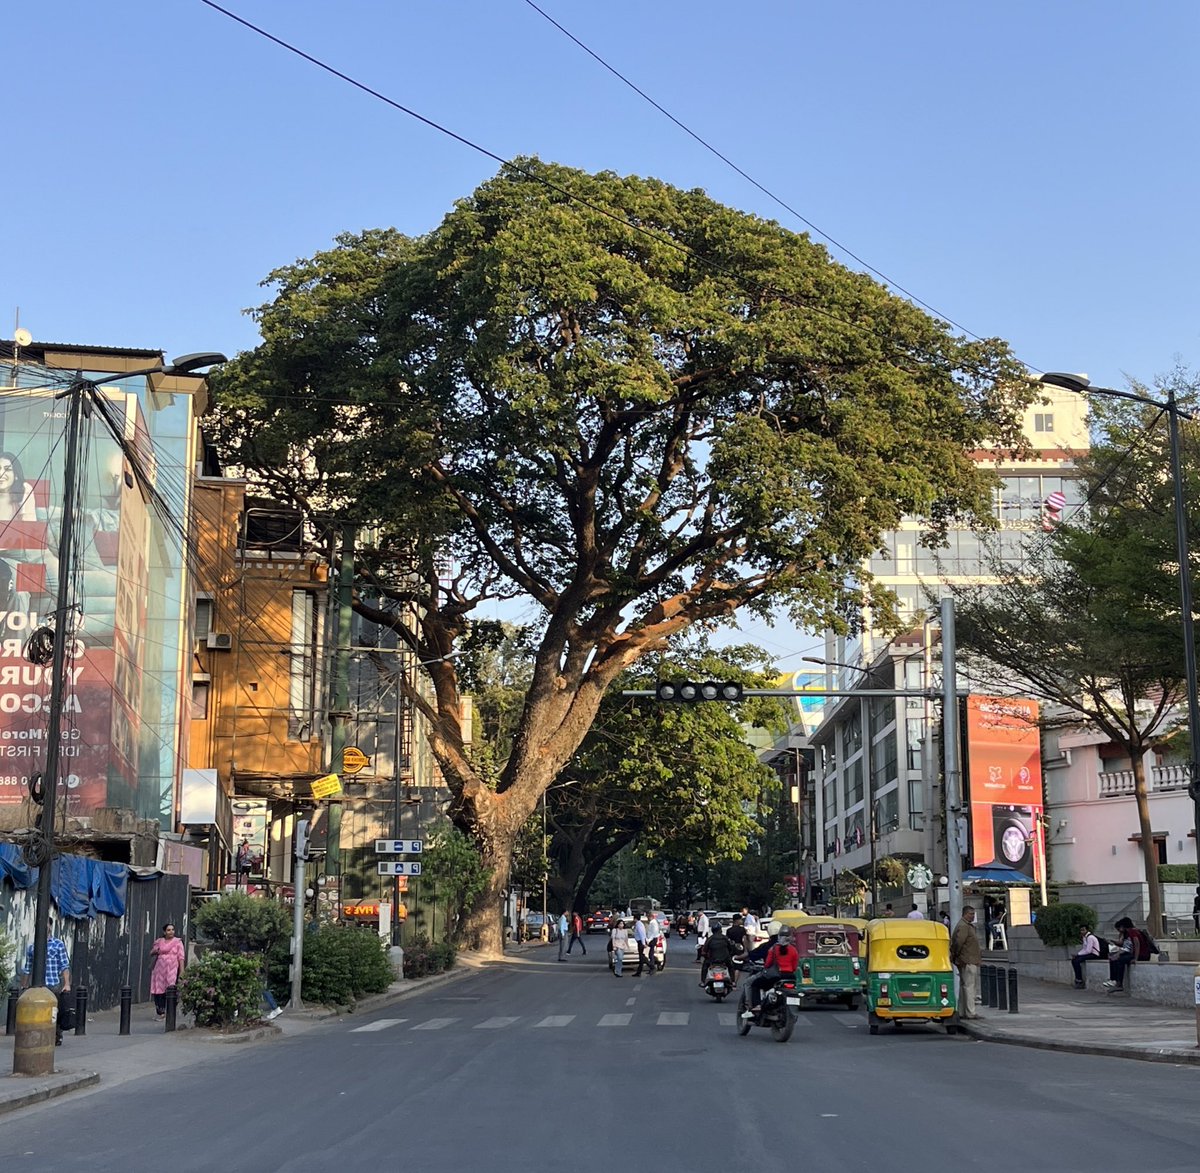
point(701, 933)
point(58, 976)
point(564, 927)
point(654, 935)
point(639, 938)
point(576, 933)
point(966, 955)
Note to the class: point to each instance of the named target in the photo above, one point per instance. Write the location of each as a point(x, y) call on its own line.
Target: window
point(854, 784)
point(916, 734)
point(1043, 421)
point(887, 812)
point(916, 804)
point(906, 553)
point(883, 713)
point(1160, 845)
point(912, 952)
point(883, 763)
point(204, 616)
point(200, 690)
point(302, 672)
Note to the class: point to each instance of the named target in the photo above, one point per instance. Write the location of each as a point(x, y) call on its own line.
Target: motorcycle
point(718, 982)
point(776, 1011)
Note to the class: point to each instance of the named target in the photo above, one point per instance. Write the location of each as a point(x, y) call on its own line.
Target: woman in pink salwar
point(168, 967)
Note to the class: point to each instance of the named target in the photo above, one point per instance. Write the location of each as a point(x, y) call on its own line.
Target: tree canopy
point(623, 404)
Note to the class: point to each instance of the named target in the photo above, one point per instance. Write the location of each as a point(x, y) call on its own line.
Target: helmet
point(785, 935)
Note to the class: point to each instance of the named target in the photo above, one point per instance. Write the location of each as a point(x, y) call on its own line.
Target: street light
point(1083, 386)
point(80, 388)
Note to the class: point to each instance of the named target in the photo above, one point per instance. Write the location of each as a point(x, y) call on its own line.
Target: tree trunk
point(483, 927)
point(1149, 847)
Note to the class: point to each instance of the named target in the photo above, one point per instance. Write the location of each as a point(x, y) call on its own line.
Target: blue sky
point(1026, 168)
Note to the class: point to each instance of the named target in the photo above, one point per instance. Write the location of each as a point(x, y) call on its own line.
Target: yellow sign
point(353, 759)
point(327, 786)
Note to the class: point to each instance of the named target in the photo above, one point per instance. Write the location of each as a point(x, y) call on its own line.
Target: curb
point(1106, 1050)
point(201, 1035)
point(16, 1093)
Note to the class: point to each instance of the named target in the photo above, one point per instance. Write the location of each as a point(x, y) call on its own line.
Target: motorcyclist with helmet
point(780, 959)
point(717, 950)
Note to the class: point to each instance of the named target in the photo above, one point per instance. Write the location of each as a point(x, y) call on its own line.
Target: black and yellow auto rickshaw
point(909, 975)
point(831, 969)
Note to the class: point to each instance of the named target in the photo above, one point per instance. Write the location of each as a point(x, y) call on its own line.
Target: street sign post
point(399, 867)
point(399, 846)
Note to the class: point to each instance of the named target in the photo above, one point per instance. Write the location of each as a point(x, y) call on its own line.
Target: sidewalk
point(1058, 1018)
point(104, 1056)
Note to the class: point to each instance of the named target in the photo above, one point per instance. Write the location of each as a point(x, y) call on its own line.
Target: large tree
point(1089, 622)
point(626, 406)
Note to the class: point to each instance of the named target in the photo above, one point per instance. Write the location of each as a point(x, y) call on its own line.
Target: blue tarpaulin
point(70, 885)
point(107, 887)
point(13, 867)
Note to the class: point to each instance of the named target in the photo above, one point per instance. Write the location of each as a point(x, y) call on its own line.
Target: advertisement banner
point(103, 738)
point(1004, 783)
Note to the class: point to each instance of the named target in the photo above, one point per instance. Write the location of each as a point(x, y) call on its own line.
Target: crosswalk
point(664, 1018)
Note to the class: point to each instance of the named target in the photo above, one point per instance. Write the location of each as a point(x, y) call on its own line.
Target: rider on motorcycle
point(717, 950)
point(781, 960)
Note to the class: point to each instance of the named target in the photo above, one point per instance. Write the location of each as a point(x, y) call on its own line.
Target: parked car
point(533, 926)
point(599, 921)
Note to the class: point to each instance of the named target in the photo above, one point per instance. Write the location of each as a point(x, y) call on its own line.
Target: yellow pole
point(33, 1046)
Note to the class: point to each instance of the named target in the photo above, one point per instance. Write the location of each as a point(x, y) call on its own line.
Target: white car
point(631, 955)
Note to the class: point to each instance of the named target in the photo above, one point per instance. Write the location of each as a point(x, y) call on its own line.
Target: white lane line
point(382, 1024)
point(615, 1020)
point(630, 1001)
point(495, 1023)
point(435, 1024)
point(668, 1018)
point(556, 1020)
point(726, 1019)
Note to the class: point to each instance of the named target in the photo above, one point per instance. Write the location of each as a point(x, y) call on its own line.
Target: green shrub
point(222, 988)
point(238, 923)
point(422, 958)
point(1060, 924)
point(1177, 873)
point(340, 964)
point(7, 949)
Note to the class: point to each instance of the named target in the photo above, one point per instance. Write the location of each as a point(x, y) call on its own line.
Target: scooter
point(718, 982)
point(776, 1011)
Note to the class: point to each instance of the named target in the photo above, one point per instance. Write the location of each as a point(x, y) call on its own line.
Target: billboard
point(104, 702)
point(1004, 783)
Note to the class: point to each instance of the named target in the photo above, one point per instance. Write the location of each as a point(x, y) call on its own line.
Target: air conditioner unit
point(219, 642)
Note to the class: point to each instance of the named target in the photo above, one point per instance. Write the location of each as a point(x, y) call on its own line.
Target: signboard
point(249, 835)
point(399, 867)
point(399, 846)
point(1004, 777)
point(362, 908)
point(326, 786)
point(354, 760)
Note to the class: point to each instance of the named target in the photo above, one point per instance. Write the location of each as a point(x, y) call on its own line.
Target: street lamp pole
point(1082, 385)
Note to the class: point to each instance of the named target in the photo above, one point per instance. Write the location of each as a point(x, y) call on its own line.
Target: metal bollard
point(10, 1019)
point(986, 982)
point(126, 1008)
point(81, 1001)
point(1012, 991)
point(172, 1003)
point(1001, 989)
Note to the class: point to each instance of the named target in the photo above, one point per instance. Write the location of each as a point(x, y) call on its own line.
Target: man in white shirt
point(749, 921)
point(701, 933)
point(639, 937)
point(1089, 950)
point(653, 933)
point(915, 914)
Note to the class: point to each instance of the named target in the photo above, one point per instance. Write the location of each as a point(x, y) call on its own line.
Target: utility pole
point(341, 615)
point(299, 856)
point(951, 759)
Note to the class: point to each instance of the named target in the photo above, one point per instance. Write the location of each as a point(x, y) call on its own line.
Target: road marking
point(726, 1019)
point(848, 1024)
point(630, 1001)
point(615, 1020)
point(382, 1024)
point(496, 1023)
point(666, 1018)
point(557, 1020)
point(435, 1024)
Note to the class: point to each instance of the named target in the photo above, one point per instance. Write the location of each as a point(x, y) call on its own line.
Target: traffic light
point(691, 691)
point(302, 826)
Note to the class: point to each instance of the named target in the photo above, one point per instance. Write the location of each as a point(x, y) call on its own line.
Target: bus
point(644, 906)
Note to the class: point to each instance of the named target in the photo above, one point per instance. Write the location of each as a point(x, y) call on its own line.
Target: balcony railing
point(1115, 783)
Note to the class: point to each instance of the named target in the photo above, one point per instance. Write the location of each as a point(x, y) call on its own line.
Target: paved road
point(532, 1064)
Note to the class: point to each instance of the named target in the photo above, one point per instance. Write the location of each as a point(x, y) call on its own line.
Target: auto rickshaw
point(793, 917)
point(831, 969)
point(909, 976)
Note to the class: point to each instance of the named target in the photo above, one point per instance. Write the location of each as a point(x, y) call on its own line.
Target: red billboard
point(1004, 783)
point(103, 700)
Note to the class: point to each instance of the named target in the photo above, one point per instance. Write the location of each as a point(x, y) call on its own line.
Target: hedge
point(1061, 924)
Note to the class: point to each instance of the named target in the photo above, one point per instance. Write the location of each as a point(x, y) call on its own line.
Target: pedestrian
point(618, 939)
point(58, 976)
point(945, 918)
point(701, 932)
point(639, 938)
point(1120, 958)
point(1196, 911)
point(966, 955)
point(739, 938)
point(749, 920)
point(654, 939)
point(564, 928)
point(888, 911)
point(1089, 950)
point(915, 914)
point(169, 960)
point(576, 933)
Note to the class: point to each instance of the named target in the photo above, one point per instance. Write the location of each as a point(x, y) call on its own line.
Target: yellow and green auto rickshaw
point(909, 976)
point(831, 969)
point(793, 917)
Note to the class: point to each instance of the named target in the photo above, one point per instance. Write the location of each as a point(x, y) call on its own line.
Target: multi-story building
point(872, 797)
